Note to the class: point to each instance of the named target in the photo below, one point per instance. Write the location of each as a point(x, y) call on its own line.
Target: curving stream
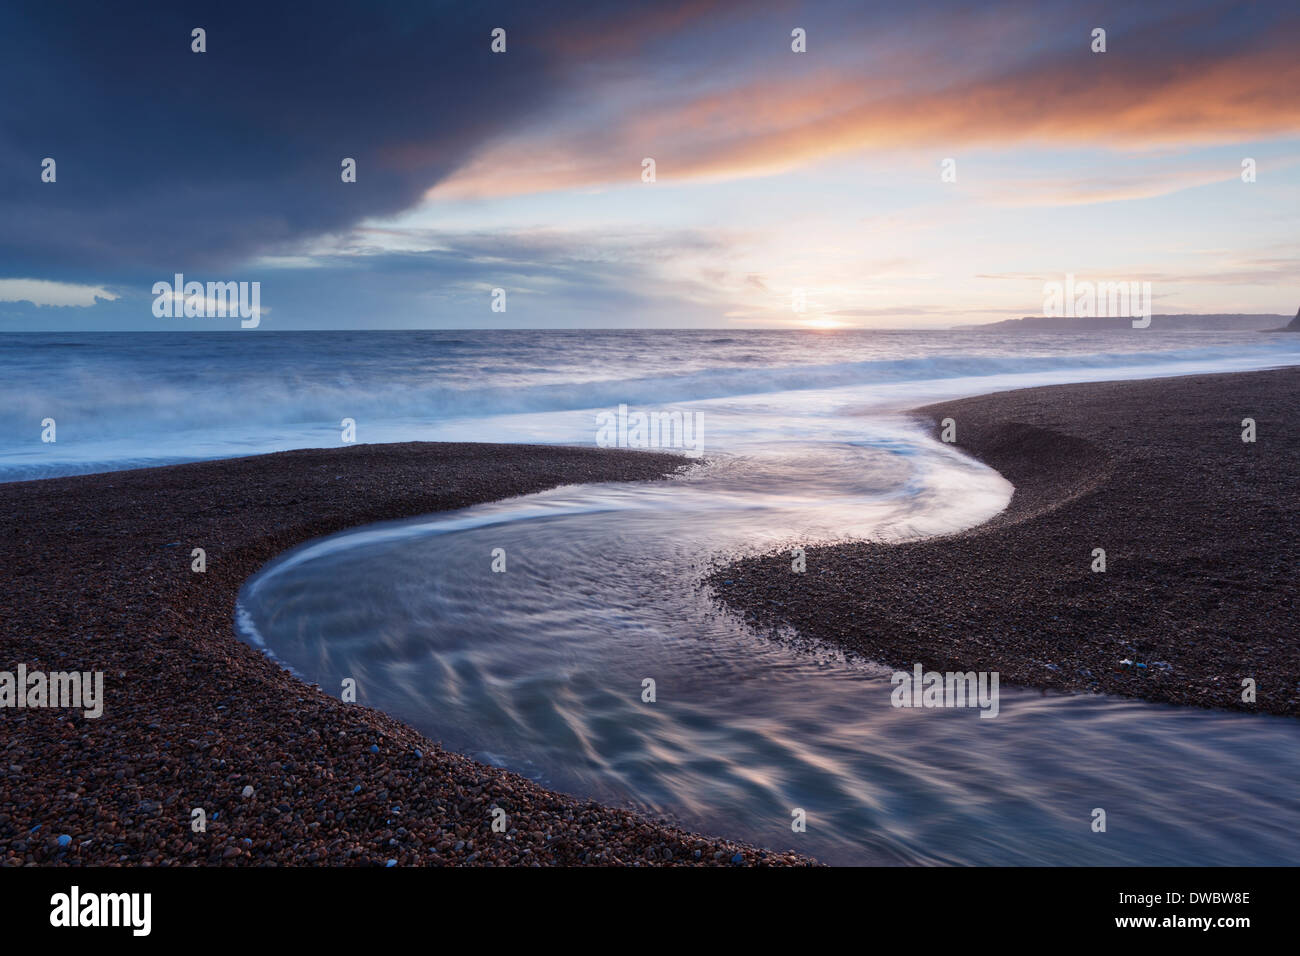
point(540, 668)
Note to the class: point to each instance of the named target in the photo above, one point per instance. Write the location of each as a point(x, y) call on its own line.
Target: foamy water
point(122, 400)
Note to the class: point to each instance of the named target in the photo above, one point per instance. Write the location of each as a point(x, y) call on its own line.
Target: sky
point(916, 165)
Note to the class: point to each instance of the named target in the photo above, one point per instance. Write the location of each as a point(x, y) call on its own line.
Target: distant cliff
point(1199, 323)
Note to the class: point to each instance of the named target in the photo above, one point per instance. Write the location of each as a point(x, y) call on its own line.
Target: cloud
point(46, 292)
point(1088, 190)
point(1228, 270)
point(170, 160)
point(225, 164)
point(1173, 82)
point(442, 278)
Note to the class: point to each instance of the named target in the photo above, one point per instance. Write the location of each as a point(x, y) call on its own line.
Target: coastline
point(1198, 527)
point(97, 574)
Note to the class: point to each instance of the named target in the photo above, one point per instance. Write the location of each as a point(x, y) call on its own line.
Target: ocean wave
point(107, 399)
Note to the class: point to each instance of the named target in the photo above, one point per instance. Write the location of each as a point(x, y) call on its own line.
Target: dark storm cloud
point(170, 159)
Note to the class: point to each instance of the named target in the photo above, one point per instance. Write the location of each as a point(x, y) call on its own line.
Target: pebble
point(1216, 551)
point(194, 710)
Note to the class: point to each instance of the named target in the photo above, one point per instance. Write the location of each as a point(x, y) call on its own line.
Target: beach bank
point(1198, 529)
point(98, 577)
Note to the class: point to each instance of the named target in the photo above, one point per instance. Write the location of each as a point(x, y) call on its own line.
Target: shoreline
point(1195, 523)
point(1198, 528)
point(97, 570)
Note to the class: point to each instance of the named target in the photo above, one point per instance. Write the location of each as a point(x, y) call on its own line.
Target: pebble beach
point(1197, 526)
point(97, 577)
point(1198, 529)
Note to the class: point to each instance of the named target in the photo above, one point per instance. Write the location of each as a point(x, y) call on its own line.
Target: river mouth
point(541, 668)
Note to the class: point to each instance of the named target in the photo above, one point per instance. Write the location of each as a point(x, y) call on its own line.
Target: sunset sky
point(522, 170)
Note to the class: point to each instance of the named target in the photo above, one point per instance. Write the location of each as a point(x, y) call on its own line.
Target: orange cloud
point(779, 123)
point(1116, 187)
